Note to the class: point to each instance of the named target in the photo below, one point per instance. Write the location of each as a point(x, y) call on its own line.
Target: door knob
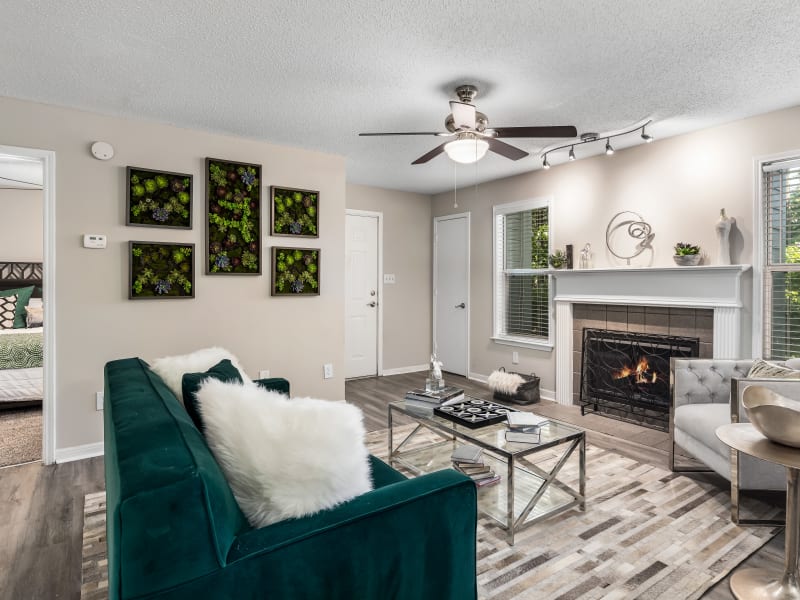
point(373, 304)
point(462, 305)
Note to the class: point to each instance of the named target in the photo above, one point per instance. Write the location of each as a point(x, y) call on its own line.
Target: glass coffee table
point(533, 485)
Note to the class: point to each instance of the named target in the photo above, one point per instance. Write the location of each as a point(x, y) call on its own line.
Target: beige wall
point(21, 225)
point(407, 253)
point(291, 337)
point(678, 185)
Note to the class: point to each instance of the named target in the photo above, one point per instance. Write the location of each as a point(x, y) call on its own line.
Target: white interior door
point(362, 297)
point(451, 292)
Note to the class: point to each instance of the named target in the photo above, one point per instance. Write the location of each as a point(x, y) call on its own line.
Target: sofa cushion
point(284, 458)
point(700, 421)
point(222, 371)
point(172, 368)
point(763, 369)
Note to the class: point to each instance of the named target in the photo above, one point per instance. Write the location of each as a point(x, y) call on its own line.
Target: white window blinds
point(781, 256)
point(522, 285)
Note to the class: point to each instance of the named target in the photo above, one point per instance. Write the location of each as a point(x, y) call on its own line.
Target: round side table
point(765, 584)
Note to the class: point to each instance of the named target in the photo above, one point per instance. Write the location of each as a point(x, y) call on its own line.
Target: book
point(481, 476)
point(475, 469)
point(530, 436)
point(448, 394)
point(521, 419)
point(488, 482)
point(467, 454)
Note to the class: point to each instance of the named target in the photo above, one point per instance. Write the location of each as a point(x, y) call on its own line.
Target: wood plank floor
point(41, 508)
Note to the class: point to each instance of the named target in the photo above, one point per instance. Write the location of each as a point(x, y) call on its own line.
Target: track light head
point(545, 164)
point(572, 152)
point(645, 137)
point(609, 149)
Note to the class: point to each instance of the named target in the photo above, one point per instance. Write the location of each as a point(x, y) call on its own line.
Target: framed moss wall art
point(158, 198)
point(295, 271)
point(160, 270)
point(294, 212)
point(233, 218)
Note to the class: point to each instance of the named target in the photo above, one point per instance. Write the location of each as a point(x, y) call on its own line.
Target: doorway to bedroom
point(22, 202)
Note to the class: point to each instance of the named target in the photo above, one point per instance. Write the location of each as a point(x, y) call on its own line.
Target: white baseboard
point(478, 377)
point(79, 452)
point(404, 370)
point(547, 394)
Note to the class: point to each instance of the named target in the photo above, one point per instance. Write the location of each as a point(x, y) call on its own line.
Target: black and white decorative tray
point(474, 413)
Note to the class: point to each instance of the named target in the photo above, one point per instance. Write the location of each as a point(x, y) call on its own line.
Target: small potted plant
point(557, 259)
point(686, 255)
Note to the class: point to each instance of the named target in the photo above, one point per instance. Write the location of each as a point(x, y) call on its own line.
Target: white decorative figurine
point(585, 261)
point(435, 382)
point(723, 228)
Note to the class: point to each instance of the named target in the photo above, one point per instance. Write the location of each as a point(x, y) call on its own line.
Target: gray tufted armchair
point(702, 394)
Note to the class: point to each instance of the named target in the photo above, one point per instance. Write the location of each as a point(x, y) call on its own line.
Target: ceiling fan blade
point(556, 131)
point(406, 133)
point(506, 150)
point(463, 115)
point(432, 154)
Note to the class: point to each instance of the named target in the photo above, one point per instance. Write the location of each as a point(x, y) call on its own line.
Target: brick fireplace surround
point(703, 302)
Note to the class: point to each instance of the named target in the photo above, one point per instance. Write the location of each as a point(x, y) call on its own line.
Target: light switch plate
point(98, 399)
point(388, 278)
point(327, 371)
point(263, 374)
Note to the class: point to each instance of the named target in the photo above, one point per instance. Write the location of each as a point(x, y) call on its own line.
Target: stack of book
point(467, 459)
point(424, 400)
point(525, 427)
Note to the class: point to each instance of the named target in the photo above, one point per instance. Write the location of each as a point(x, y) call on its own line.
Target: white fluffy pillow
point(172, 368)
point(284, 458)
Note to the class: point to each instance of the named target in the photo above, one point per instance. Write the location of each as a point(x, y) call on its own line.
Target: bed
point(21, 349)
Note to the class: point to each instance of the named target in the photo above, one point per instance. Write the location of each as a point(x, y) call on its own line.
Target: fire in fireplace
point(625, 374)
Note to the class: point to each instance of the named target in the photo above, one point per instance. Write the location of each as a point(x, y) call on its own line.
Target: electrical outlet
point(389, 278)
point(327, 371)
point(264, 374)
point(515, 358)
point(98, 399)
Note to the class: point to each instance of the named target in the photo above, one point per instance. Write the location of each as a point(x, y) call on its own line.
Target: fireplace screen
point(626, 374)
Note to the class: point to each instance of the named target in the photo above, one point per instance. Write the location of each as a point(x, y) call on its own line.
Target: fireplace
point(625, 374)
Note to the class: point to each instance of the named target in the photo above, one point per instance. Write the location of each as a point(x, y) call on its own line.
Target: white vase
point(723, 229)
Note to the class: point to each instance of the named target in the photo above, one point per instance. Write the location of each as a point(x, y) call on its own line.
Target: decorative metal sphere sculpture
point(637, 228)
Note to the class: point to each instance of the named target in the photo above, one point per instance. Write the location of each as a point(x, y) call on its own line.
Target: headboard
point(21, 274)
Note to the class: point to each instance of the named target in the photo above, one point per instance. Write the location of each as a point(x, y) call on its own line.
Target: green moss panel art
point(233, 218)
point(161, 270)
point(295, 271)
point(158, 198)
point(295, 212)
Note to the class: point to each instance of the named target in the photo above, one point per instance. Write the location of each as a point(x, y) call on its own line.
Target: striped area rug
point(646, 533)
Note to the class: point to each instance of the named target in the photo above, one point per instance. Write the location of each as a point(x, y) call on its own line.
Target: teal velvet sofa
point(174, 529)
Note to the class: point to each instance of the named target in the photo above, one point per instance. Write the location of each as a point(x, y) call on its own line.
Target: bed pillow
point(172, 368)
point(8, 310)
point(222, 371)
point(34, 316)
point(284, 458)
point(763, 369)
point(23, 295)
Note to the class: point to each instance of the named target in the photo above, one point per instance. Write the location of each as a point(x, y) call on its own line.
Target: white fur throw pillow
point(172, 368)
point(284, 458)
point(505, 383)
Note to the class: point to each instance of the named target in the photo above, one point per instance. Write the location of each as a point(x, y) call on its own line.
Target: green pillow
point(191, 382)
point(23, 295)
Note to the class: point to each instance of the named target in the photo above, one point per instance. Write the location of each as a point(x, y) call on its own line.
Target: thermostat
point(94, 240)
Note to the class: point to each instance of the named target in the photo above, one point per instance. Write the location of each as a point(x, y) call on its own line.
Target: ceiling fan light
point(466, 151)
point(572, 153)
point(545, 164)
point(609, 149)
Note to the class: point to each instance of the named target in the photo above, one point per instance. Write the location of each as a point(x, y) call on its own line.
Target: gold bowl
point(776, 417)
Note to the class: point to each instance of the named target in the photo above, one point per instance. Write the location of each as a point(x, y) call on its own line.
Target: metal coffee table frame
point(548, 496)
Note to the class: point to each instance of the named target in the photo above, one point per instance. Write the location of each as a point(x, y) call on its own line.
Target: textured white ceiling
point(314, 74)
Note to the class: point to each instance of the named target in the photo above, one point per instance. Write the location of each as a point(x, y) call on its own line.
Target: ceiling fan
point(473, 136)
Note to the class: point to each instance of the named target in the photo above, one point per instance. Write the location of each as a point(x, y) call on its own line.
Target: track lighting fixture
point(588, 138)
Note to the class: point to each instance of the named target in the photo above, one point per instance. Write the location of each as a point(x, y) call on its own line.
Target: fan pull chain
point(455, 184)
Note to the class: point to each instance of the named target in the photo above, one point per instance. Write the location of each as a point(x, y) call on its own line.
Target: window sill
point(544, 345)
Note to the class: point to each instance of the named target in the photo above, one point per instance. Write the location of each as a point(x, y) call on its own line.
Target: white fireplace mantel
point(713, 287)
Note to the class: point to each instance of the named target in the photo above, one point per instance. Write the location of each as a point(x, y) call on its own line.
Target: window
point(781, 258)
point(521, 281)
